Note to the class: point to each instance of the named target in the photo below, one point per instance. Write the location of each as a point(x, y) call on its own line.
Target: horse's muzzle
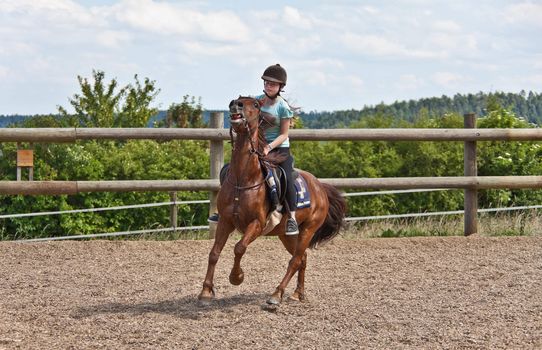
point(236, 111)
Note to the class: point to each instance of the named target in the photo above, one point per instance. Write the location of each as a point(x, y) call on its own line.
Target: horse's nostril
point(240, 104)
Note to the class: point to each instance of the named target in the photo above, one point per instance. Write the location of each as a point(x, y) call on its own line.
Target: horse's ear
point(260, 102)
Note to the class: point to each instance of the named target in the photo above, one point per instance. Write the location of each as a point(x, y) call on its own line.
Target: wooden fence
point(470, 182)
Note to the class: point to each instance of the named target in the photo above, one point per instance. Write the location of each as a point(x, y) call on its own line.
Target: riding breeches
point(288, 166)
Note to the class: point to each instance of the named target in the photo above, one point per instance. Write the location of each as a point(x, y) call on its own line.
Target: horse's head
point(244, 111)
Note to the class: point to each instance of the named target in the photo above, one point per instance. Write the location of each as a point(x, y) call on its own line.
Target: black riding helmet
point(275, 73)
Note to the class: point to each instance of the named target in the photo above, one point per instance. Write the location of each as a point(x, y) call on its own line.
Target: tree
point(136, 111)
point(100, 105)
point(187, 114)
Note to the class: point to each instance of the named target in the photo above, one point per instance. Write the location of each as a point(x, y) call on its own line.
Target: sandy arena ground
point(419, 293)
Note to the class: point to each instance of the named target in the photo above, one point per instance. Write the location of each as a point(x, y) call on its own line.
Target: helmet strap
point(277, 95)
point(271, 97)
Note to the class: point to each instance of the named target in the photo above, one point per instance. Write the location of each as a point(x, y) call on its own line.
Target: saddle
point(276, 184)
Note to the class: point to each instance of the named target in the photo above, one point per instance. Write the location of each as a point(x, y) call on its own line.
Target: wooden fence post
point(217, 161)
point(471, 194)
point(173, 211)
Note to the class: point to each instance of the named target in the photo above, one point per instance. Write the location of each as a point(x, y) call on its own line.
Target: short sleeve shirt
point(279, 110)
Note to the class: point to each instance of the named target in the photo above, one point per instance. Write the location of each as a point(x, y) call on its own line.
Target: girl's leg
point(291, 194)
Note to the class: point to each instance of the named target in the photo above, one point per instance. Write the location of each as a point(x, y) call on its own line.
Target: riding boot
point(291, 227)
point(213, 218)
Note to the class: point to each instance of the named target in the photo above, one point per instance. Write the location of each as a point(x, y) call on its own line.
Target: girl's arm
point(284, 127)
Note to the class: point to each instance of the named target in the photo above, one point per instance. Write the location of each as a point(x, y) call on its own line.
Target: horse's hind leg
point(222, 233)
point(297, 262)
point(299, 293)
point(290, 243)
point(253, 230)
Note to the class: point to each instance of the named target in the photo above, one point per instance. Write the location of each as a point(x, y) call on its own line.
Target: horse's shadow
point(187, 307)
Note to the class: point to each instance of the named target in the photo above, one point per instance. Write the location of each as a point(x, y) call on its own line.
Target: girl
point(279, 116)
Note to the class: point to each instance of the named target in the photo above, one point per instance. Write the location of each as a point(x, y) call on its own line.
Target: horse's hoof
point(269, 307)
point(237, 279)
point(273, 300)
point(204, 302)
point(296, 297)
point(205, 298)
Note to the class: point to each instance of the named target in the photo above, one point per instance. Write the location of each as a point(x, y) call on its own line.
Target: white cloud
point(57, 12)
point(371, 10)
point(169, 18)
point(447, 26)
point(293, 17)
point(534, 79)
point(447, 79)
point(10, 48)
point(355, 82)
point(374, 45)
point(315, 77)
point(524, 13)
point(112, 38)
point(409, 82)
point(3, 72)
point(322, 63)
point(306, 44)
point(197, 48)
point(454, 42)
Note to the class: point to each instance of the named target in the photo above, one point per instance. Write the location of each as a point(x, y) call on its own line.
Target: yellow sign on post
point(25, 158)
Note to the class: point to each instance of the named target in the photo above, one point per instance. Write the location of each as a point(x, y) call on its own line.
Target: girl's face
point(271, 88)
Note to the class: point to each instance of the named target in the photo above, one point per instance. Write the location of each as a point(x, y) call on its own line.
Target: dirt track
point(416, 293)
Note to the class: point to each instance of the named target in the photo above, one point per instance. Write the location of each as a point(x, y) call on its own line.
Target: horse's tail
point(334, 219)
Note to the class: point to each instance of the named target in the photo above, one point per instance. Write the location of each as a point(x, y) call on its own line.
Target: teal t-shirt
point(279, 110)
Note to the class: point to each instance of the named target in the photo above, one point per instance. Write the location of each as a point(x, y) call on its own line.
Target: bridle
point(237, 111)
point(238, 117)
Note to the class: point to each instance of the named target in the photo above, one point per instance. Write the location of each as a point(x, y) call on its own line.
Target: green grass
point(524, 223)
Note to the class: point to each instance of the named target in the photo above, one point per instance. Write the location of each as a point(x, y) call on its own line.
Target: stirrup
point(213, 218)
point(291, 227)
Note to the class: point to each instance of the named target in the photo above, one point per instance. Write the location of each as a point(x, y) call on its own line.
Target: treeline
point(7, 120)
point(524, 105)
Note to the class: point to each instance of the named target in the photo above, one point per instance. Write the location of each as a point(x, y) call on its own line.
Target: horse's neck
point(245, 164)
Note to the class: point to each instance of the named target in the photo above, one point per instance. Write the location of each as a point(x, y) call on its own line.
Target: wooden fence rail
point(470, 183)
point(395, 183)
point(54, 135)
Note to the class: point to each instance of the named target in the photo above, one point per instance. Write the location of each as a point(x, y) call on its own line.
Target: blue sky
point(339, 54)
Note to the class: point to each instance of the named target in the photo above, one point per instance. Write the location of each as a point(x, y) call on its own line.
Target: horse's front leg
point(253, 231)
point(222, 233)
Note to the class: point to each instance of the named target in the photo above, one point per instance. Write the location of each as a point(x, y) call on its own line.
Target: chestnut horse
point(243, 205)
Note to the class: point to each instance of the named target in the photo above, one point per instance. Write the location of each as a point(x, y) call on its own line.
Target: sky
point(339, 54)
